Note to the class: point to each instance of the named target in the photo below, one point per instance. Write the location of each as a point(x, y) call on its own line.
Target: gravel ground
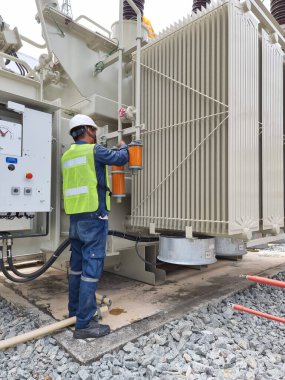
point(212, 343)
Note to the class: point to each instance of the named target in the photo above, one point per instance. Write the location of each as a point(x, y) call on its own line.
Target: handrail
point(94, 23)
point(31, 42)
point(30, 71)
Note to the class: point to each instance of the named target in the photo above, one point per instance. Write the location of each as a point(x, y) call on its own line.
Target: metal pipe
point(30, 73)
point(266, 281)
point(120, 83)
point(120, 68)
point(258, 313)
point(44, 28)
point(31, 42)
point(94, 23)
point(138, 67)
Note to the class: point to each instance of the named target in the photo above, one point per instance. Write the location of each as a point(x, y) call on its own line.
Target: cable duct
point(129, 13)
point(198, 4)
point(277, 8)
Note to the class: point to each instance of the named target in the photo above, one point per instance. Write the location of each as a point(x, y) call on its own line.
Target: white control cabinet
point(25, 163)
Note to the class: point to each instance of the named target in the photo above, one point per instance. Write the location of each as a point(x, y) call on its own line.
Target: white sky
point(21, 13)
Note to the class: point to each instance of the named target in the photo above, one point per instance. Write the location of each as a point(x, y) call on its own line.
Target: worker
point(86, 196)
point(147, 23)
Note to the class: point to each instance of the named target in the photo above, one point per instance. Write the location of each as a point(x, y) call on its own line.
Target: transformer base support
point(132, 266)
point(181, 251)
point(230, 248)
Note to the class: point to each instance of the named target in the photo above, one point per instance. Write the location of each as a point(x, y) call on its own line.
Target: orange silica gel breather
point(118, 181)
point(135, 155)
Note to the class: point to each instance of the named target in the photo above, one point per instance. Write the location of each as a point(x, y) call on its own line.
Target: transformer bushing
point(277, 8)
point(199, 4)
point(129, 13)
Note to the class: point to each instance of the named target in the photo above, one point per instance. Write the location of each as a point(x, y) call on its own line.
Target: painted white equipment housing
point(212, 101)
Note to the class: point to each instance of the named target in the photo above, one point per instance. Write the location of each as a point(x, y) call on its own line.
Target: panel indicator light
point(29, 175)
point(11, 160)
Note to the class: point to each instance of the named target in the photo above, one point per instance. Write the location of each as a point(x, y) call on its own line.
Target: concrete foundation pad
point(139, 308)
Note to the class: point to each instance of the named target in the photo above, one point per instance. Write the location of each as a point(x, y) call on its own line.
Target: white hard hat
point(81, 120)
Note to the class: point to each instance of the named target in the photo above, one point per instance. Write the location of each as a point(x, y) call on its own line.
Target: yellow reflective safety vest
point(80, 183)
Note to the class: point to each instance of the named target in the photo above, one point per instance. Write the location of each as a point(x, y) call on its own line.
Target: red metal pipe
point(267, 281)
point(258, 313)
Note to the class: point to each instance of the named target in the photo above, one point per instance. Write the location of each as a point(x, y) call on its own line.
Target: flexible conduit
point(198, 4)
point(37, 273)
point(129, 13)
point(277, 8)
point(32, 276)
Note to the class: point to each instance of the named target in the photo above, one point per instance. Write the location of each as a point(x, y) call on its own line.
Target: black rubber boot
point(93, 330)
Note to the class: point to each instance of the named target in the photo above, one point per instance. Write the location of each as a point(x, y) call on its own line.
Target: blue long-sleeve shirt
point(104, 156)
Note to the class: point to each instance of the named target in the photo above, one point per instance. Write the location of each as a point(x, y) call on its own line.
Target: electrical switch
point(15, 191)
point(11, 167)
point(28, 191)
point(29, 175)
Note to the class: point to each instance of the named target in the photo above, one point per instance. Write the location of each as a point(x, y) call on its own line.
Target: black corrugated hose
point(37, 273)
point(24, 277)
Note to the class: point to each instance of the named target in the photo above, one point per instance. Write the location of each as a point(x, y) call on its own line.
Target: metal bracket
point(125, 132)
point(152, 229)
point(188, 232)
point(113, 58)
point(102, 137)
point(16, 107)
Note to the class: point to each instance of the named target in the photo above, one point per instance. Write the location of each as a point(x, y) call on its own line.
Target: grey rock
point(219, 362)
point(150, 372)
point(28, 352)
point(106, 374)
point(201, 351)
point(200, 368)
point(242, 344)
point(115, 371)
point(175, 336)
point(129, 347)
point(73, 367)
point(160, 339)
point(147, 360)
point(147, 350)
point(187, 357)
point(187, 333)
point(131, 365)
point(63, 368)
point(251, 362)
point(60, 355)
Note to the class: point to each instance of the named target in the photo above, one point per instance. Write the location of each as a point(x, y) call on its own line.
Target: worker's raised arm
point(112, 157)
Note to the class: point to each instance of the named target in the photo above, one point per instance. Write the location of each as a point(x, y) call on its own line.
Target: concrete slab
point(139, 308)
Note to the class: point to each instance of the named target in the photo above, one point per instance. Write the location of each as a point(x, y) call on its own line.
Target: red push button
point(29, 175)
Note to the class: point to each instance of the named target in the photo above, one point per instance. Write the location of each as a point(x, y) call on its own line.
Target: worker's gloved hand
point(122, 142)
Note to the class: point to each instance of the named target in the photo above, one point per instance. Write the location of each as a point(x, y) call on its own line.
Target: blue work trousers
point(88, 249)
